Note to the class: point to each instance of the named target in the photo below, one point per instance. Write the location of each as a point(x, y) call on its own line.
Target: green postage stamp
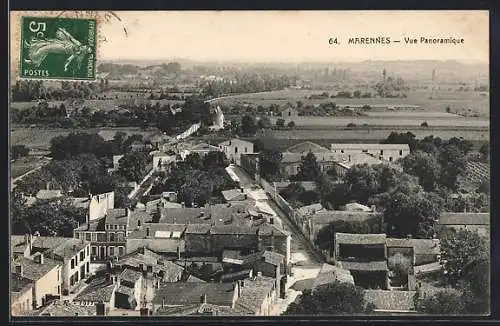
point(58, 48)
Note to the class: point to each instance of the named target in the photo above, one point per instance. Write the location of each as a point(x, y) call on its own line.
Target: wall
point(156, 244)
point(233, 241)
point(99, 205)
point(47, 285)
point(22, 302)
point(197, 243)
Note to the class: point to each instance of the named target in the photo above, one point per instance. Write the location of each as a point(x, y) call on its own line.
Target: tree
point(362, 182)
point(18, 151)
point(484, 150)
point(459, 249)
point(424, 124)
point(412, 214)
point(424, 166)
point(309, 169)
point(444, 302)
point(331, 299)
point(248, 126)
point(194, 161)
point(133, 165)
point(214, 160)
point(291, 124)
point(452, 162)
point(401, 138)
point(356, 94)
point(264, 123)
point(269, 163)
point(280, 123)
point(49, 218)
point(476, 286)
point(401, 264)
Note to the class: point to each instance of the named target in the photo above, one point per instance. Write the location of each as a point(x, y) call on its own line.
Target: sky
point(293, 36)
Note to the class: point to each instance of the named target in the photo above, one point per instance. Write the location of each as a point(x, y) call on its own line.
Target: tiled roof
point(17, 243)
point(391, 300)
point(116, 216)
point(306, 147)
point(254, 292)
point(126, 290)
point(154, 227)
point(330, 273)
point(370, 146)
point(320, 157)
point(364, 266)
point(33, 270)
point(233, 194)
point(20, 284)
point(356, 207)
point(130, 275)
point(99, 289)
point(448, 218)
point(326, 216)
point(352, 238)
point(67, 309)
point(420, 246)
point(273, 257)
point(191, 293)
point(48, 194)
point(197, 228)
point(95, 225)
point(204, 147)
point(235, 140)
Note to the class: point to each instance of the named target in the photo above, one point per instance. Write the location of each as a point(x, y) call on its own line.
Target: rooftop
point(235, 140)
point(420, 246)
point(48, 194)
point(352, 238)
point(70, 248)
point(356, 207)
point(364, 266)
point(130, 275)
point(203, 147)
point(233, 194)
point(20, 284)
point(327, 216)
point(98, 289)
point(370, 146)
point(254, 292)
point(67, 309)
point(449, 218)
point(33, 270)
point(391, 300)
point(191, 293)
point(320, 157)
point(306, 147)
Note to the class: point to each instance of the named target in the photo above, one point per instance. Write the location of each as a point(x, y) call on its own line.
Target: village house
point(327, 274)
point(388, 152)
point(99, 290)
point(258, 295)
point(21, 294)
point(365, 256)
point(73, 255)
point(479, 222)
point(116, 162)
point(208, 240)
point(234, 195)
point(202, 149)
point(45, 275)
point(235, 147)
point(162, 160)
point(289, 113)
point(66, 309)
point(177, 295)
point(108, 234)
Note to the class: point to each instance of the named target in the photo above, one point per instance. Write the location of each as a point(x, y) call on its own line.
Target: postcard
point(249, 163)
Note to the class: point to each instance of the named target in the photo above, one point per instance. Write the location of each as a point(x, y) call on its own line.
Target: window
point(111, 237)
point(76, 260)
point(87, 250)
point(88, 267)
point(120, 251)
point(342, 151)
point(88, 236)
point(94, 251)
point(58, 289)
point(381, 152)
point(82, 255)
point(390, 159)
point(101, 237)
point(111, 251)
point(400, 153)
point(365, 151)
point(236, 150)
point(58, 272)
point(119, 236)
point(246, 150)
point(72, 263)
point(116, 227)
point(94, 237)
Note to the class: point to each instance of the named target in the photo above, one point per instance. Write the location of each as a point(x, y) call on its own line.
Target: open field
point(442, 100)
point(365, 134)
point(40, 138)
point(396, 120)
point(25, 164)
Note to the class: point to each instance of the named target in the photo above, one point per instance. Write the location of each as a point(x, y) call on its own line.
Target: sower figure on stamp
point(64, 42)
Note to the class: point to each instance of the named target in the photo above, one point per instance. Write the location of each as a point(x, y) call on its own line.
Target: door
point(103, 252)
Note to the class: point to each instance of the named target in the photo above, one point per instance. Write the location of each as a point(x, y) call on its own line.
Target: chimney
point(127, 210)
point(242, 190)
point(100, 309)
point(39, 259)
point(19, 270)
point(373, 208)
point(259, 274)
point(204, 298)
point(162, 303)
point(147, 231)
